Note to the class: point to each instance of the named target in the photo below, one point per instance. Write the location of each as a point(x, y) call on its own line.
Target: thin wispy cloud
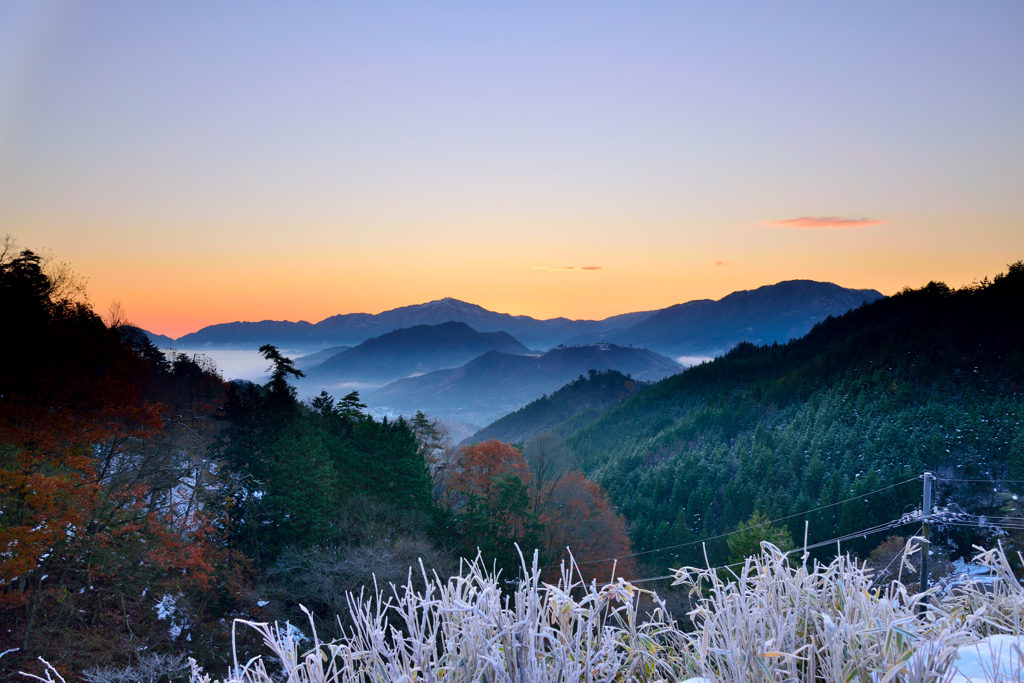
point(723, 263)
point(591, 267)
point(568, 268)
point(823, 222)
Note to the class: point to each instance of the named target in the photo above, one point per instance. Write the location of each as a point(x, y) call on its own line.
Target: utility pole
point(926, 529)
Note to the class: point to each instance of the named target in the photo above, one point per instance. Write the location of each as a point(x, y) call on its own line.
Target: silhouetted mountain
point(252, 335)
point(575, 405)
point(699, 328)
point(574, 328)
point(498, 383)
point(773, 313)
point(411, 350)
point(354, 328)
point(314, 359)
point(159, 340)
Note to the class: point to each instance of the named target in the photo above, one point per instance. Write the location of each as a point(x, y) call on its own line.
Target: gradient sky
point(208, 162)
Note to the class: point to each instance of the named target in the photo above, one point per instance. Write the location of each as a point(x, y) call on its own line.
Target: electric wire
point(757, 526)
point(1014, 523)
point(878, 528)
point(981, 481)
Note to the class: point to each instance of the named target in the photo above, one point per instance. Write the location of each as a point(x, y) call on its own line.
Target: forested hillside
point(108, 496)
point(927, 379)
point(578, 402)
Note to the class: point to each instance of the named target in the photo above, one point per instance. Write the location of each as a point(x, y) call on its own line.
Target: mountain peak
point(449, 302)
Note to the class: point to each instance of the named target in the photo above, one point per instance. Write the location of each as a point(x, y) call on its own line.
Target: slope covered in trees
point(926, 379)
point(580, 402)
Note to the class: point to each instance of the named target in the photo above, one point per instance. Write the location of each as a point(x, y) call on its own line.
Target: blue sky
point(203, 162)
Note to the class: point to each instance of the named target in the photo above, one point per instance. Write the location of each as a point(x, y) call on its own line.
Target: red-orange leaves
point(579, 518)
point(478, 469)
point(570, 512)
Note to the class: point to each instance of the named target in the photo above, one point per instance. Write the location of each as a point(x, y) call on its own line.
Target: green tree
point(749, 535)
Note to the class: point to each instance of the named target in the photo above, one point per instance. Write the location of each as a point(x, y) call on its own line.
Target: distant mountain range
point(564, 412)
point(313, 359)
point(776, 312)
point(353, 328)
point(498, 383)
point(773, 313)
point(410, 351)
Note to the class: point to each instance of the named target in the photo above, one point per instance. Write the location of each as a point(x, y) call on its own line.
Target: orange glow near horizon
point(205, 164)
point(174, 297)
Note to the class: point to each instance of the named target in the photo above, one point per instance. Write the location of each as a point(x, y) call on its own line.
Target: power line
point(982, 481)
point(978, 525)
point(973, 521)
point(878, 528)
point(756, 526)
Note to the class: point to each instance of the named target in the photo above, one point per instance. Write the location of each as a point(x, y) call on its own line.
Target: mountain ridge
point(354, 328)
point(767, 314)
point(567, 409)
point(412, 350)
point(495, 384)
point(776, 312)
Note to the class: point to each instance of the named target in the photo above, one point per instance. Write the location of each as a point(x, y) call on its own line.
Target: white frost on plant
point(771, 620)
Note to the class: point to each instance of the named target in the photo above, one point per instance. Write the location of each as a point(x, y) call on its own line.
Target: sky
point(211, 162)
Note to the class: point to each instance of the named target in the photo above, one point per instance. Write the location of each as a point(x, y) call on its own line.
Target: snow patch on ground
point(165, 607)
point(996, 658)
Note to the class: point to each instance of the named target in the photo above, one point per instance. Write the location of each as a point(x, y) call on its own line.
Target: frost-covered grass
point(772, 620)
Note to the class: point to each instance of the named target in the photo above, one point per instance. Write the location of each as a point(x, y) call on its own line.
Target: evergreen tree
point(749, 536)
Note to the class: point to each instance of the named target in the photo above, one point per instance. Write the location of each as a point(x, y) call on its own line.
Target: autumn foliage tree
point(90, 502)
point(487, 488)
point(500, 499)
point(579, 518)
